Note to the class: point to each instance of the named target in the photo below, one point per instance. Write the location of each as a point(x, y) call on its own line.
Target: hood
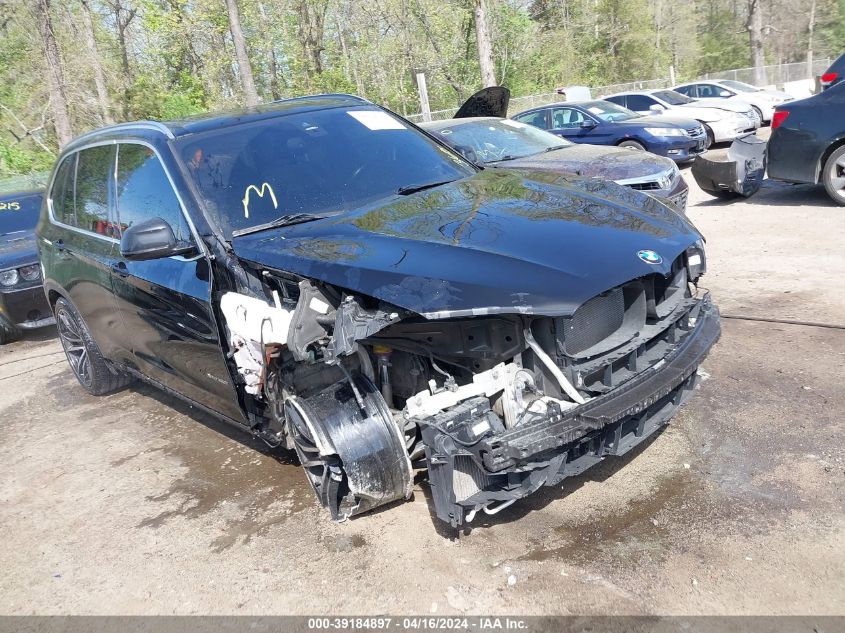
point(669, 119)
point(594, 161)
point(732, 104)
point(17, 249)
point(718, 107)
point(492, 101)
point(498, 242)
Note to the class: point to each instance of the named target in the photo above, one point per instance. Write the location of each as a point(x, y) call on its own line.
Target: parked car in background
point(603, 123)
point(504, 143)
point(22, 301)
point(834, 74)
point(763, 101)
point(327, 277)
point(722, 123)
point(808, 142)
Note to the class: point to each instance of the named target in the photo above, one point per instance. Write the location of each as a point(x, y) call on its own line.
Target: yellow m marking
point(265, 188)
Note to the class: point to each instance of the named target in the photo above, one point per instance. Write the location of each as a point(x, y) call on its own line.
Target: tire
point(632, 145)
point(8, 332)
point(759, 115)
point(711, 138)
point(833, 176)
point(84, 357)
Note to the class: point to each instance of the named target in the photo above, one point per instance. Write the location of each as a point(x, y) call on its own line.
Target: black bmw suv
point(333, 280)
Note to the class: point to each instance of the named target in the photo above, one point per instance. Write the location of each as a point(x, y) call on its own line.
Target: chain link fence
point(774, 75)
point(778, 75)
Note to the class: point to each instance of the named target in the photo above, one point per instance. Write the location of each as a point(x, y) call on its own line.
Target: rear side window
point(619, 100)
point(689, 91)
point(94, 166)
point(145, 192)
point(639, 103)
point(62, 193)
point(537, 119)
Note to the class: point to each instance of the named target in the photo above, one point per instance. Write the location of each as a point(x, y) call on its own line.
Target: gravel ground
point(136, 504)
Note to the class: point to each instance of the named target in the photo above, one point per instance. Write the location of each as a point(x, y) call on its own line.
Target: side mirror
point(588, 124)
point(656, 108)
point(725, 93)
point(151, 239)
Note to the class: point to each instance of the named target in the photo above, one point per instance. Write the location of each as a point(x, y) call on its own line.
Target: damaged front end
point(739, 172)
point(495, 406)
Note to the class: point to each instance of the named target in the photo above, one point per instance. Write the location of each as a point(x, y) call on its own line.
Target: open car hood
point(492, 101)
point(498, 242)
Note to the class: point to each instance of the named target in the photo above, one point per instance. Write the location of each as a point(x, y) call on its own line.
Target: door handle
point(119, 268)
point(59, 244)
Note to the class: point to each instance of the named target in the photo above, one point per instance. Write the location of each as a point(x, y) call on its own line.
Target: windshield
point(19, 212)
point(316, 163)
point(672, 98)
point(498, 139)
point(739, 86)
point(608, 111)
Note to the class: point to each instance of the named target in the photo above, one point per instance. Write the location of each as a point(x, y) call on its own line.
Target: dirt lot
point(136, 504)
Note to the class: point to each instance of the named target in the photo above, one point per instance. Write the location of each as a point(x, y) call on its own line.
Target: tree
point(484, 41)
point(55, 76)
point(96, 62)
point(244, 66)
point(754, 26)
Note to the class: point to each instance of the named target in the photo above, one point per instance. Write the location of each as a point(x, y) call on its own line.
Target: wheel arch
point(834, 145)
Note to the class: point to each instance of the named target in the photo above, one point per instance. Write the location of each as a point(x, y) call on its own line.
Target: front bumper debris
point(492, 472)
point(740, 172)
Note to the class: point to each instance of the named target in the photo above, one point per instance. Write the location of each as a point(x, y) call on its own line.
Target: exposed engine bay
point(494, 406)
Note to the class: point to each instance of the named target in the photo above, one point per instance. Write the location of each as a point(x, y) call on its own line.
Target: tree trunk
point(310, 26)
point(55, 76)
point(275, 90)
point(244, 67)
point(485, 45)
point(99, 75)
point(754, 25)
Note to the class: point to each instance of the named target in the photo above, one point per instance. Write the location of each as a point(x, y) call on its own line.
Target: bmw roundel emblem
point(649, 257)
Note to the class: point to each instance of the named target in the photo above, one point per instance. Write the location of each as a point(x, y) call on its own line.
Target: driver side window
point(145, 192)
point(566, 118)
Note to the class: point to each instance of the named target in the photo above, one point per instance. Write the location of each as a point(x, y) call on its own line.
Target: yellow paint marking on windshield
point(265, 188)
point(10, 206)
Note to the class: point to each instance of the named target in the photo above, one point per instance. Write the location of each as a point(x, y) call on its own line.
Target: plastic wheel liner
point(471, 471)
point(350, 447)
point(739, 173)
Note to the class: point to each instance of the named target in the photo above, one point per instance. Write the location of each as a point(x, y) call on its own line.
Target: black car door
point(165, 303)
point(83, 245)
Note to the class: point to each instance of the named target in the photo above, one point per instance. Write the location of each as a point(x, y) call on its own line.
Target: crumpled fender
point(739, 173)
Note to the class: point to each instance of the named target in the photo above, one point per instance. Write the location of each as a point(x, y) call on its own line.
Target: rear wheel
point(83, 355)
point(632, 145)
point(834, 176)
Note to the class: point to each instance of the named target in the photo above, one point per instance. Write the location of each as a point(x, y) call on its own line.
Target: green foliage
point(179, 54)
point(15, 159)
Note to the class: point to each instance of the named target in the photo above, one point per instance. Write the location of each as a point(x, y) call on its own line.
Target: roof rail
point(133, 125)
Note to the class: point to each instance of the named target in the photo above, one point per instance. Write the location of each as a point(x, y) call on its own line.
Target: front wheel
point(834, 176)
point(711, 138)
point(759, 115)
point(83, 355)
point(633, 145)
